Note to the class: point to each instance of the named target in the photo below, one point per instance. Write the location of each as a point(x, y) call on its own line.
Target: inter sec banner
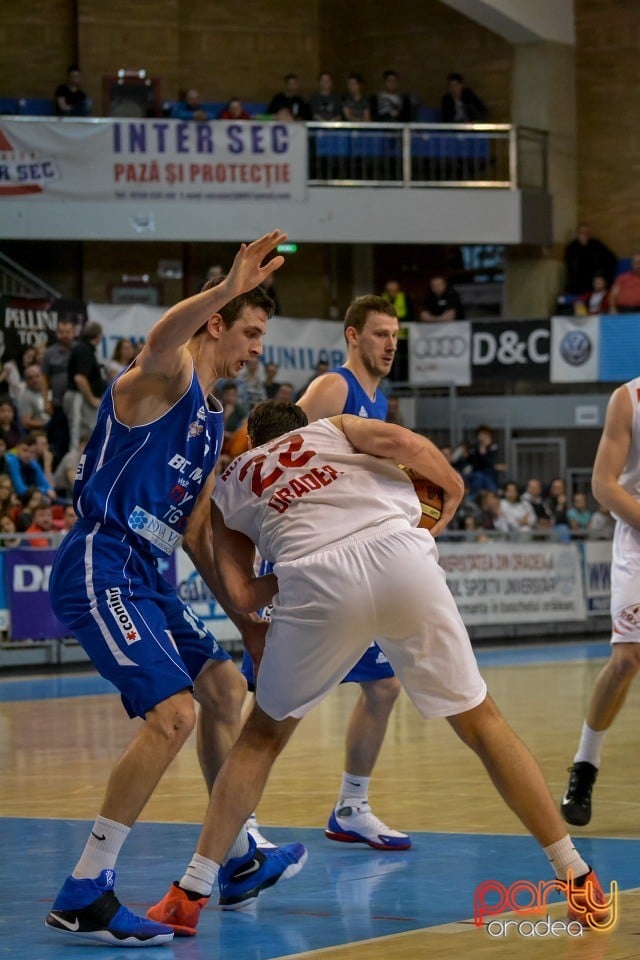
point(152, 159)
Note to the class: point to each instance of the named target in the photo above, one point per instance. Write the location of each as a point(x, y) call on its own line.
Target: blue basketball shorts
point(133, 626)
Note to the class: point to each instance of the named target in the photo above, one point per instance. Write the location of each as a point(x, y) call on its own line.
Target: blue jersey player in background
point(147, 465)
point(371, 332)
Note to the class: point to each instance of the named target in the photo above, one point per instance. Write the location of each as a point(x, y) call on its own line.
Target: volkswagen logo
point(575, 348)
point(440, 347)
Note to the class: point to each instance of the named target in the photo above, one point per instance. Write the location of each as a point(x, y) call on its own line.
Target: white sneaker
point(253, 830)
point(355, 823)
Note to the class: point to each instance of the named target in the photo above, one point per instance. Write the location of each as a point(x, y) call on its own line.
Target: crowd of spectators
point(496, 505)
point(594, 280)
point(48, 406)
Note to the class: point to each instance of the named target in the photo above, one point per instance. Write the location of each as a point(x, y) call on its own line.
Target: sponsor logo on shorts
point(627, 620)
point(121, 616)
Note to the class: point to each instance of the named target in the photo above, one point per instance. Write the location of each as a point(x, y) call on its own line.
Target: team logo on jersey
point(202, 415)
point(362, 412)
point(195, 429)
point(120, 615)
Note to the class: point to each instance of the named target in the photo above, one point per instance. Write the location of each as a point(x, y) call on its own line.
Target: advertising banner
point(295, 345)
point(440, 353)
point(575, 349)
point(27, 579)
point(4, 604)
point(25, 322)
point(507, 583)
point(152, 159)
point(597, 575)
point(620, 347)
point(510, 351)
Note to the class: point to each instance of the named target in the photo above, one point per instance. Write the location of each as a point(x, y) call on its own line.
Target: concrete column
point(544, 97)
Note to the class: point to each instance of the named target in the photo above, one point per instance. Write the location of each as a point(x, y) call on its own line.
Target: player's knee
point(625, 660)
point(174, 719)
point(478, 726)
point(382, 694)
point(221, 691)
point(265, 734)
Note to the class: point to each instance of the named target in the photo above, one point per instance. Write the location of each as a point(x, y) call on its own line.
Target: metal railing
point(427, 155)
point(16, 281)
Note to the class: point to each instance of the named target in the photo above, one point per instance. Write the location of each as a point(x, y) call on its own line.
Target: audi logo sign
point(440, 347)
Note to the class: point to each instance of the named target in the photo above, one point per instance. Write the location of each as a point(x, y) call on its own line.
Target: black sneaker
point(575, 806)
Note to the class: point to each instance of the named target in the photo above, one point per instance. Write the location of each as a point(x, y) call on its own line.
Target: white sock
point(353, 788)
point(239, 847)
point(200, 876)
point(102, 848)
point(590, 746)
point(563, 856)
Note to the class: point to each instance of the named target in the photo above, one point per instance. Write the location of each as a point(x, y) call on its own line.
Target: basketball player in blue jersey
point(147, 465)
point(371, 332)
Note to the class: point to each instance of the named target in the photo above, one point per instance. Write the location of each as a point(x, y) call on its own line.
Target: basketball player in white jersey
point(328, 505)
point(371, 334)
point(616, 486)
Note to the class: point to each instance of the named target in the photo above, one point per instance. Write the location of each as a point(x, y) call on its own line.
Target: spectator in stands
point(39, 532)
point(65, 473)
point(482, 468)
point(34, 409)
point(557, 502)
point(234, 110)
point(517, 516)
point(289, 100)
point(389, 105)
point(489, 502)
point(85, 385)
point(325, 105)
point(190, 108)
point(123, 353)
point(29, 501)
point(355, 106)
point(624, 296)
point(8, 499)
point(24, 469)
point(394, 413)
point(269, 287)
point(579, 514)
point(43, 454)
point(70, 98)
point(541, 511)
point(595, 300)
point(27, 358)
point(442, 302)
point(8, 530)
point(270, 383)
point(584, 257)
point(601, 525)
point(285, 392)
point(394, 295)
point(251, 389)
point(9, 429)
point(55, 363)
point(233, 411)
point(69, 519)
point(460, 104)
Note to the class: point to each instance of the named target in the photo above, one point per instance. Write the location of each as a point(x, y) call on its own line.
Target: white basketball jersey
point(297, 494)
point(630, 476)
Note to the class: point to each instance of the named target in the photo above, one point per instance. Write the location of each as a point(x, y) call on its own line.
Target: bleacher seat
point(36, 107)
point(9, 105)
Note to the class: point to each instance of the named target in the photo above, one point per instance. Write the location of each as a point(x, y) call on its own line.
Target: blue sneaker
point(89, 910)
point(355, 823)
point(242, 878)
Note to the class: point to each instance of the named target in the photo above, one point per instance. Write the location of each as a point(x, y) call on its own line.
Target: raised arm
point(611, 457)
point(412, 450)
point(163, 353)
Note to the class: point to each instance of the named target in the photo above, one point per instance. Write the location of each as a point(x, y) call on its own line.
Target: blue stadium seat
point(9, 105)
point(428, 115)
point(36, 107)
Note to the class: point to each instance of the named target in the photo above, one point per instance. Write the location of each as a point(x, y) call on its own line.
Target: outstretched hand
point(247, 270)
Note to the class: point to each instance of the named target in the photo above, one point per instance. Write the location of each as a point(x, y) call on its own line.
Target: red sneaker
point(588, 904)
point(180, 910)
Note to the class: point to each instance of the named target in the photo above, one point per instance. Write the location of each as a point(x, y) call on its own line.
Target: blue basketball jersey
point(358, 401)
point(144, 481)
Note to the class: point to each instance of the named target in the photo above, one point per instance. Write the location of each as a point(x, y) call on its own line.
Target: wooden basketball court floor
point(60, 734)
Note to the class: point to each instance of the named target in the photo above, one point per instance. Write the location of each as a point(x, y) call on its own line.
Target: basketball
point(431, 498)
